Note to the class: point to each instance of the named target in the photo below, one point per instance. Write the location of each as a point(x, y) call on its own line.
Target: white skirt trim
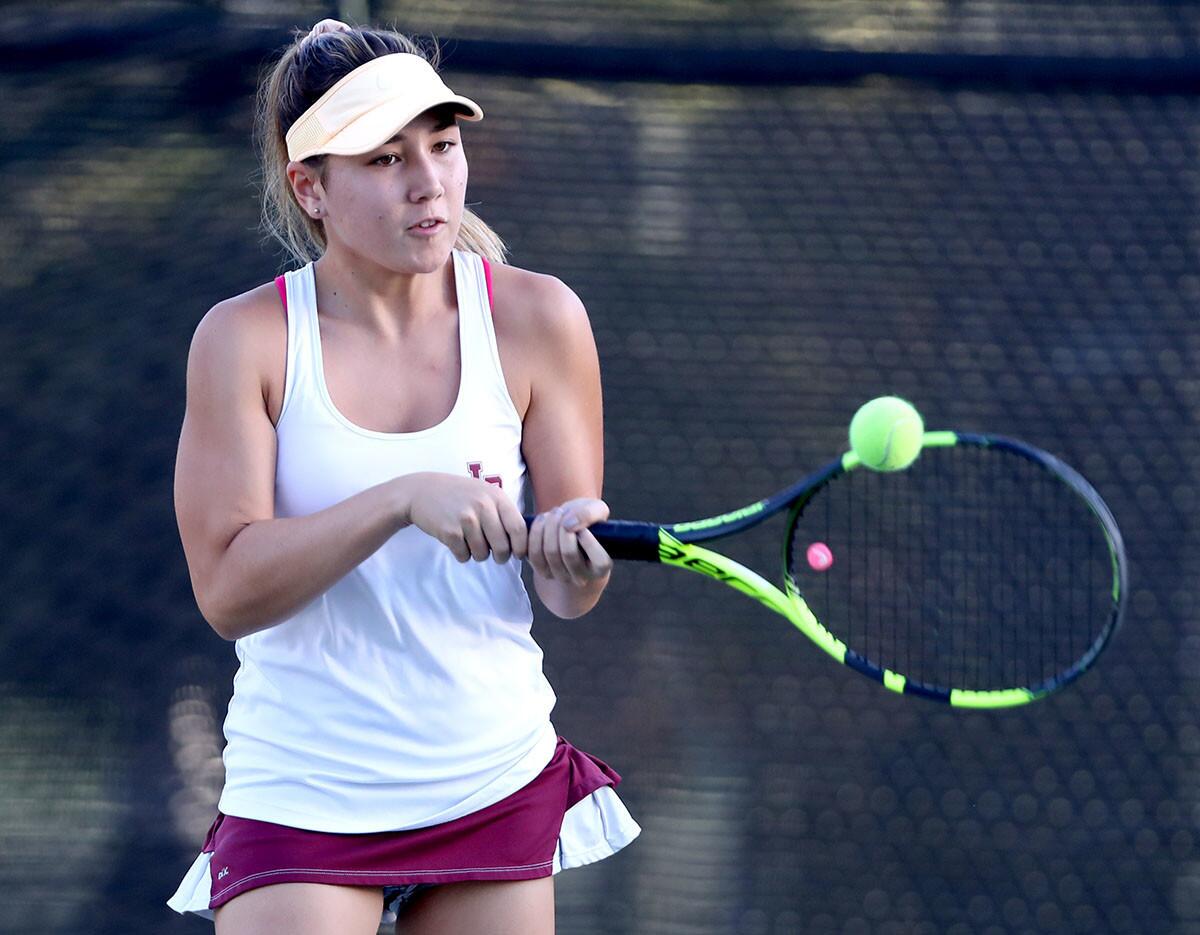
point(593, 828)
point(195, 890)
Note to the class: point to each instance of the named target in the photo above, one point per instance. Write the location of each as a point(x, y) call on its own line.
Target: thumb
point(583, 512)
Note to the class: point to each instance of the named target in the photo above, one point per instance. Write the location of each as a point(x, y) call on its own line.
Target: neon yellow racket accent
point(702, 561)
point(752, 510)
point(1004, 698)
point(939, 440)
point(894, 681)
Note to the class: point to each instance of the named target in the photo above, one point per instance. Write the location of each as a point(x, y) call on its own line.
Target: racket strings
point(977, 568)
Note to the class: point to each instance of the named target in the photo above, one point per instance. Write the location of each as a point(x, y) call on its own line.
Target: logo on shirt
point(476, 469)
point(224, 872)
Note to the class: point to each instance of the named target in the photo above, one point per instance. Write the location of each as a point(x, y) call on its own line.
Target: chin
point(407, 261)
point(425, 262)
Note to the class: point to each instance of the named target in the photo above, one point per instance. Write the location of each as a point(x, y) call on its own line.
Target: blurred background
point(774, 210)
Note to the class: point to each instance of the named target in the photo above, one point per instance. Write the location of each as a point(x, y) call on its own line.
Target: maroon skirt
point(514, 839)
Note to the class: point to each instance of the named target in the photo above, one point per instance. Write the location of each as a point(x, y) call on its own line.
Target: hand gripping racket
point(986, 575)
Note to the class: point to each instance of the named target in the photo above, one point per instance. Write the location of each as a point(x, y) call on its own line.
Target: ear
point(307, 187)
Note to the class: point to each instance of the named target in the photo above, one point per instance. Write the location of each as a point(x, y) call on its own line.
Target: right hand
point(472, 518)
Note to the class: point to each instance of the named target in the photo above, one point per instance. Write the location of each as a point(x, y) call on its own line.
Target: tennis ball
point(886, 433)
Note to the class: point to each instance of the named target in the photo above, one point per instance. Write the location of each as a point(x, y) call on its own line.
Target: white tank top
point(411, 692)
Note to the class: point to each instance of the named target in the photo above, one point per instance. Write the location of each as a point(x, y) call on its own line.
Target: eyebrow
point(441, 125)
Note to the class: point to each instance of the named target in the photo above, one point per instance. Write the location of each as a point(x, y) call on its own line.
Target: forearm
point(567, 600)
point(273, 567)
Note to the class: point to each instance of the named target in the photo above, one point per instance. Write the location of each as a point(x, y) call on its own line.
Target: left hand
point(562, 548)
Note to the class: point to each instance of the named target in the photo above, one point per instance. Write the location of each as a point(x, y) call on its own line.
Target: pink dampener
point(819, 556)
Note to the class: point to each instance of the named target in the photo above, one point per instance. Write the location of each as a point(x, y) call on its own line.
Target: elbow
point(225, 628)
point(226, 619)
point(227, 596)
point(224, 624)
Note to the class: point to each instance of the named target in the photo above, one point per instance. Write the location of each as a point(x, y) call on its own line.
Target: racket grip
point(626, 540)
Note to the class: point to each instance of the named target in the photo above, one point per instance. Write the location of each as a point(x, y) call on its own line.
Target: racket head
point(988, 574)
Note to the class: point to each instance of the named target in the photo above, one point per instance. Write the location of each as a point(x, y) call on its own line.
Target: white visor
point(370, 105)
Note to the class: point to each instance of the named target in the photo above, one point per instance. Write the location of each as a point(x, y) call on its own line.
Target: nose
point(425, 183)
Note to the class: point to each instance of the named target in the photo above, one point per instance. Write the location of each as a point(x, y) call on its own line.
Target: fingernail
point(571, 521)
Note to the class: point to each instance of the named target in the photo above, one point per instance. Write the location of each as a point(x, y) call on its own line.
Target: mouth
point(428, 225)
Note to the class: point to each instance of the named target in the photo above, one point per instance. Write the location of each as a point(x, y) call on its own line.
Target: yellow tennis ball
point(887, 433)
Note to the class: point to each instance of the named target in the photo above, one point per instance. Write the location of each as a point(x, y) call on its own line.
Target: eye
point(443, 146)
point(386, 156)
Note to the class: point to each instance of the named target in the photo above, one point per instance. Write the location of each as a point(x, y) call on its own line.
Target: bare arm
point(250, 570)
point(563, 445)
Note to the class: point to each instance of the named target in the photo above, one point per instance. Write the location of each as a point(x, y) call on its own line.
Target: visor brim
point(375, 128)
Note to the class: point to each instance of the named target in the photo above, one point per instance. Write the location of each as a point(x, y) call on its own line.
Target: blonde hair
point(307, 69)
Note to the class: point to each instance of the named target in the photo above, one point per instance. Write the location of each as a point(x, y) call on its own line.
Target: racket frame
point(677, 544)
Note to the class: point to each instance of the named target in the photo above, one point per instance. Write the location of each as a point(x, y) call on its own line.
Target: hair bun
point(328, 25)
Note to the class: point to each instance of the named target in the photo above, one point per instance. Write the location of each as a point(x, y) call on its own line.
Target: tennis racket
point(987, 574)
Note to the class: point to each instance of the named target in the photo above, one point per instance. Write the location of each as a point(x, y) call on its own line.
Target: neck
point(381, 299)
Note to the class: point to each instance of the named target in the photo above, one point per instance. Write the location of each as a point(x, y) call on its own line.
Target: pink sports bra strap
point(279, 284)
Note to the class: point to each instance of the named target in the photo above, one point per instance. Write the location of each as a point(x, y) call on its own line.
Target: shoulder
point(244, 335)
point(247, 317)
point(535, 307)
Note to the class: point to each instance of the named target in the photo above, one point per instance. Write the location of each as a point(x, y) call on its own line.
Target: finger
point(573, 558)
point(476, 541)
point(514, 526)
point(598, 560)
point(457, 546)
point(554, 546)
point(495, 534)
point(536, 545)
point(546, 526)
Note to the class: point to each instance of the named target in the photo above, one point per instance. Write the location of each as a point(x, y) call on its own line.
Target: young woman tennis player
point(357, 441)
